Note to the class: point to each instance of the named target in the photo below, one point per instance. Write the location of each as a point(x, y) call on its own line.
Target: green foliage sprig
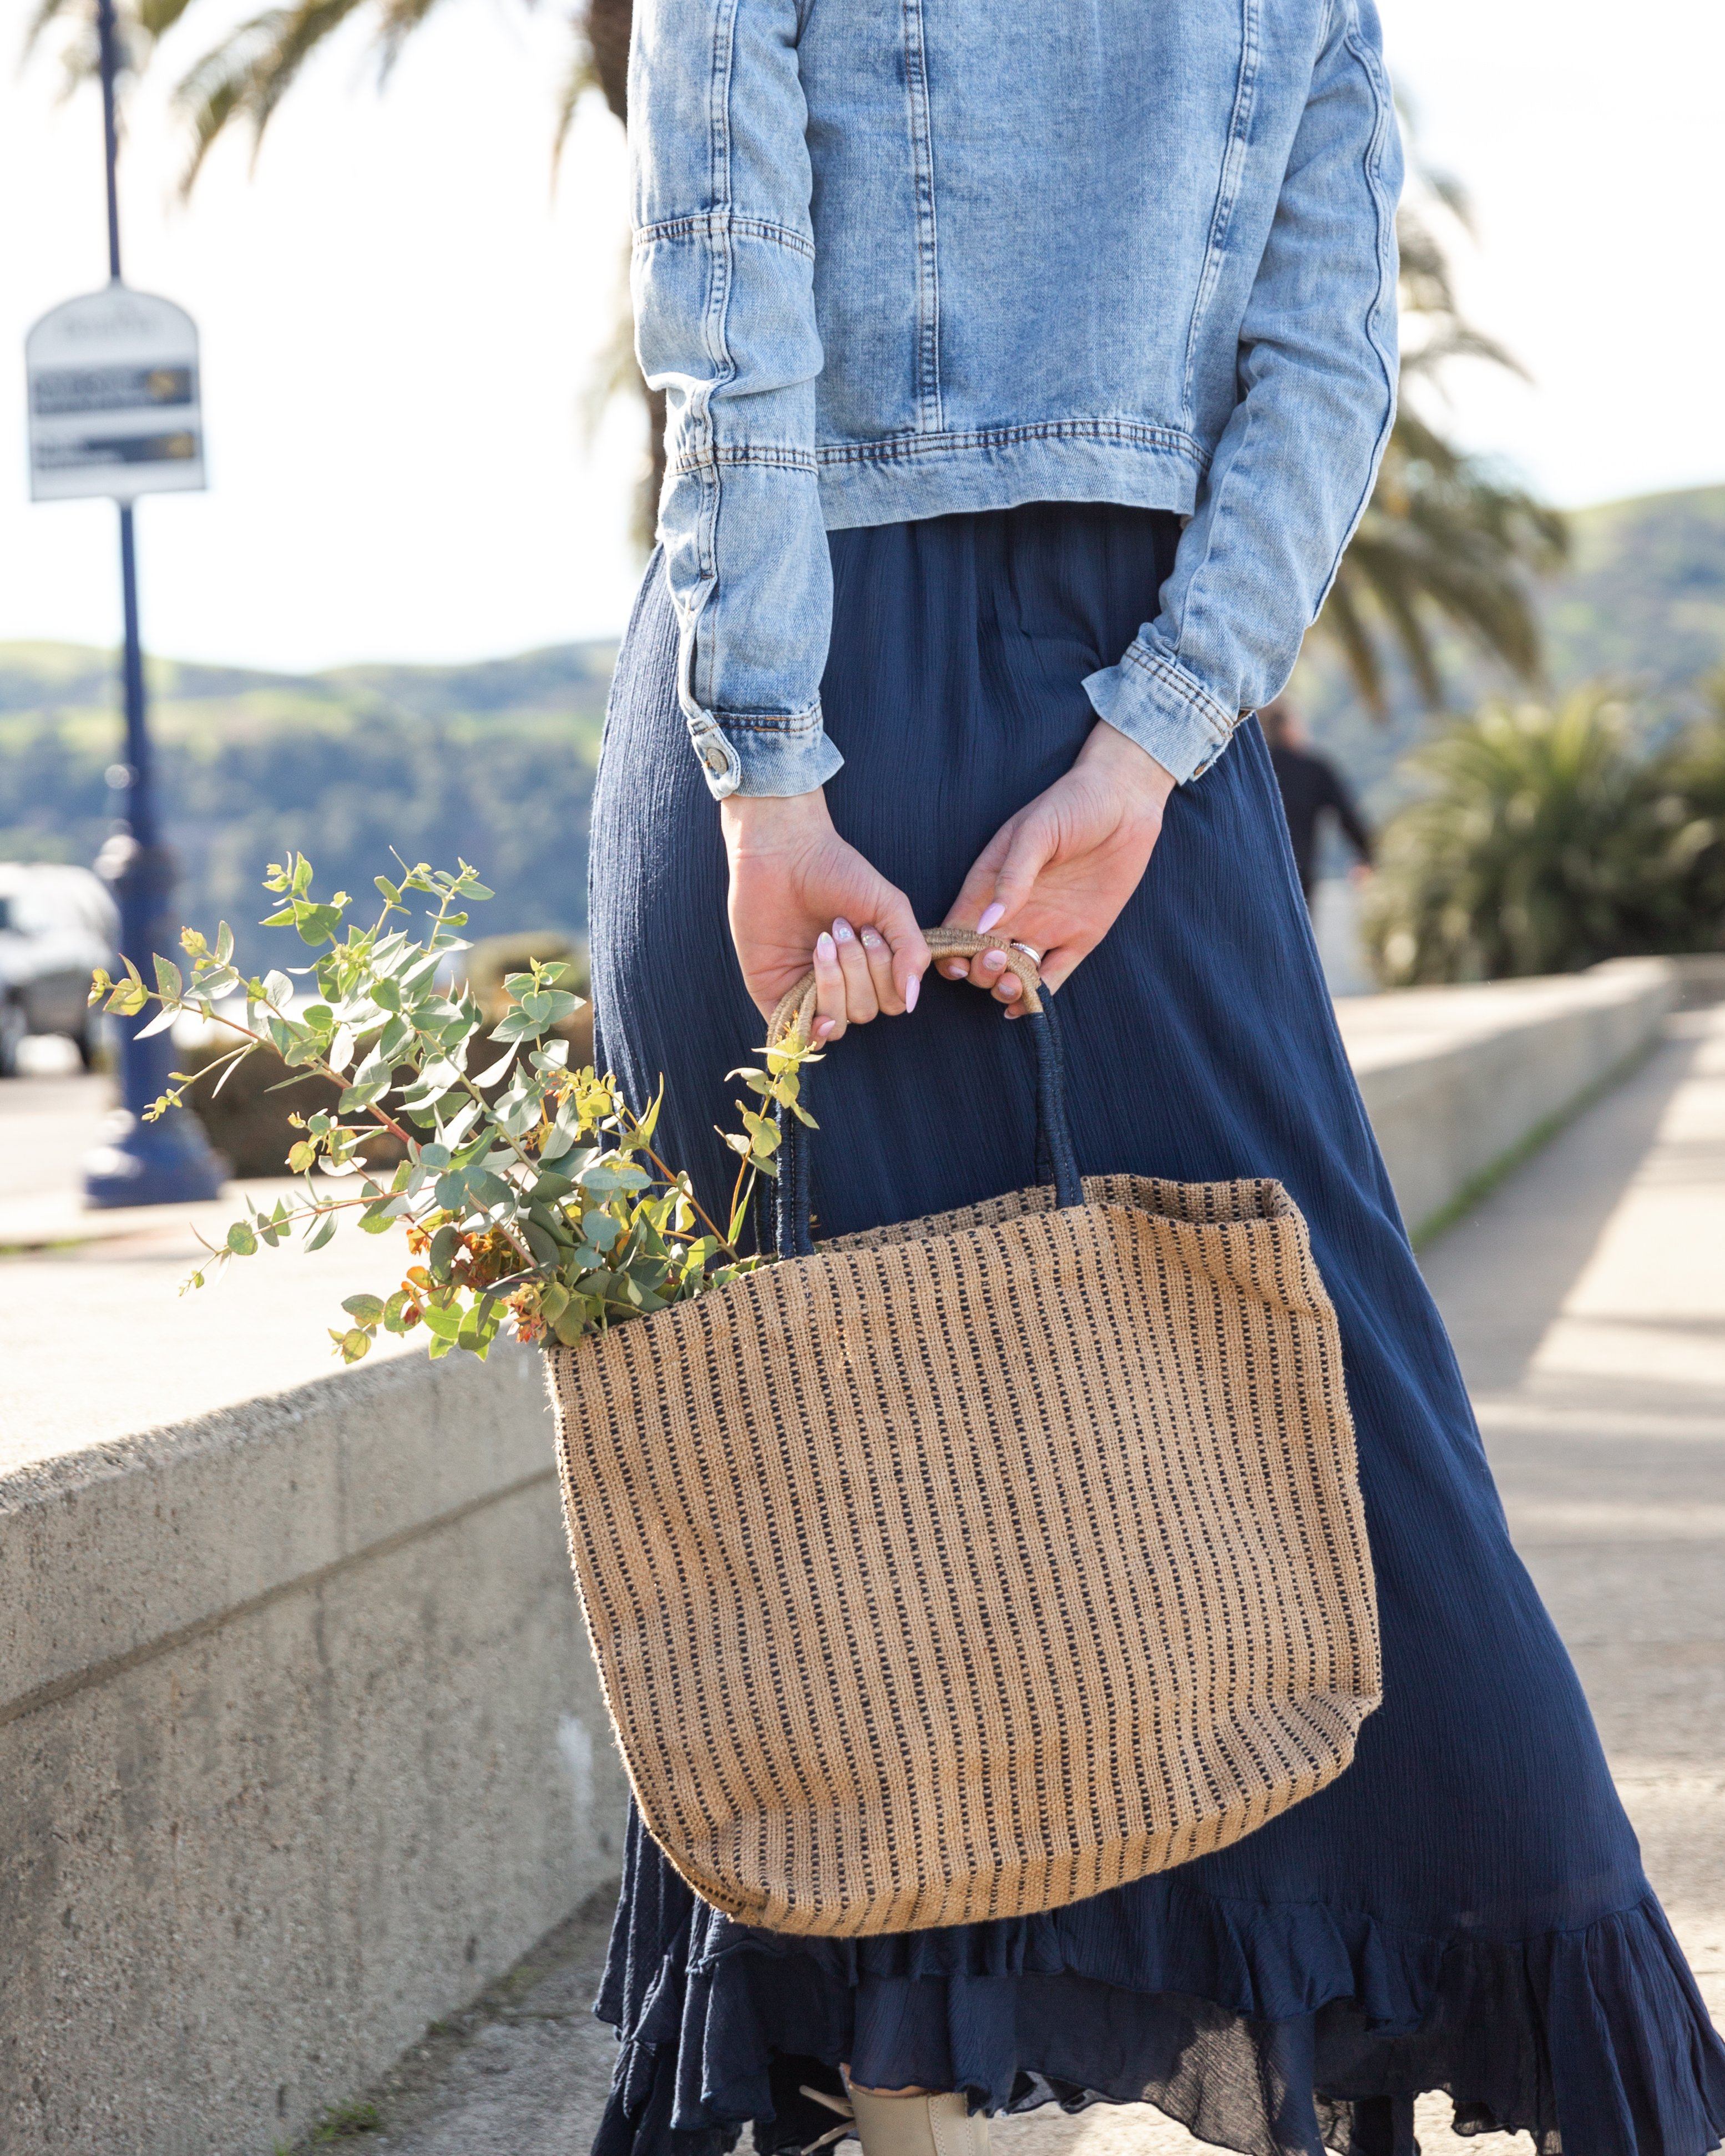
point(531, 1194)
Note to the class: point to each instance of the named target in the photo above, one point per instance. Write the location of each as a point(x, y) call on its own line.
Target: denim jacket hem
point(762, 752)
point(1154, 702)
point(908, 477)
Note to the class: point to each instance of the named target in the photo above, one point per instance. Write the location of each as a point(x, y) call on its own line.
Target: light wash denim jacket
point(897, 257)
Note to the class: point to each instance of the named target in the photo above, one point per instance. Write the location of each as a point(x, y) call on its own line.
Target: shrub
point(1545, 842)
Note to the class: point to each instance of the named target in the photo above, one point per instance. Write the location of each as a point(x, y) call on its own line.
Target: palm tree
point(1443, 539)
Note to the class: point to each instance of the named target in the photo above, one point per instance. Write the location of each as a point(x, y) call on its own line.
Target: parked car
point(57, 926)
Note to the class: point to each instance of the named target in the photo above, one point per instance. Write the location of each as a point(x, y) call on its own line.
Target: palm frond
point(400, 19)
point(1359, 652)
point(249, 74)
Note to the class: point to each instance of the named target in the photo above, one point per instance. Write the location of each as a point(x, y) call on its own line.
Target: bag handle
point(1056, 1162)
point(796, 1006)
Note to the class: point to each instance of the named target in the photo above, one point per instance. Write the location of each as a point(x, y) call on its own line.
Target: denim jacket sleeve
point(1295, 465)
point(723, 273)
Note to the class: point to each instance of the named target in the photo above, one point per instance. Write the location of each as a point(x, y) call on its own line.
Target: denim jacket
point(898, 258)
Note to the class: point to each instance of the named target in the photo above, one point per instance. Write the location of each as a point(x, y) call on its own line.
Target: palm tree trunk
point(607, 28)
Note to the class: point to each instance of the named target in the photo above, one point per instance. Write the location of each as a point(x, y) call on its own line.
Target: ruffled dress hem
point(1278, 2030)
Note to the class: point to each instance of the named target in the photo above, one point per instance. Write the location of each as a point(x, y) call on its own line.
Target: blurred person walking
point(1309, 784)
point(1027, 371)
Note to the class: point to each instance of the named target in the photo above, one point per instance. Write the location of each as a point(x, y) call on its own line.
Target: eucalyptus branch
point(532, 1210)
point(700, 1215)
point(319, 1068)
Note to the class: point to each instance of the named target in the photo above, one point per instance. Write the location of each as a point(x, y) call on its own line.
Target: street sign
point(113, 389)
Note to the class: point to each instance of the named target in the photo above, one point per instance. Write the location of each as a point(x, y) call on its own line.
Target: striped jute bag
point(969, 1567)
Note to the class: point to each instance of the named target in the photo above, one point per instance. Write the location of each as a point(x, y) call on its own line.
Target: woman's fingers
point(858, 974)
point(829, 999)
point(878, 953)
point(997, 889)
point(989, 969)
point(861, 1003)
point(896, 922)
point(978, 890)
point(1034, 838)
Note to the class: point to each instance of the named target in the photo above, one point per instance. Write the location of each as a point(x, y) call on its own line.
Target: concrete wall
point(300, 1741)
point(1455, 1080)
point(300, 1746)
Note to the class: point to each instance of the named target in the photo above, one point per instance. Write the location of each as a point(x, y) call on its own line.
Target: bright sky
point(398, 322)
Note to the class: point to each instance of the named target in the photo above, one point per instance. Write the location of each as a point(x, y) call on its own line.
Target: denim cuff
point(1154, 702)
point(751, 752)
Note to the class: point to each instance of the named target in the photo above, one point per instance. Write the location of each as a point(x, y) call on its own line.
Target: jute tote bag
point(974, 1565)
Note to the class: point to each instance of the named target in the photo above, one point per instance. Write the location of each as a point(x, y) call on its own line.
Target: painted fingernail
point(823, 1029)
point(994, 960)
point(871, 941)
point(990, 915)
point(955, 972)
point(913, 989)
point(825, 949)
point(843, 932)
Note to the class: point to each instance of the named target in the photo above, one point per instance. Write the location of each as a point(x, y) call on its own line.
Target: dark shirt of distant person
point(1309, 784)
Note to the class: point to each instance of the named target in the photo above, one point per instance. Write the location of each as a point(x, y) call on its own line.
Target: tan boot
point(918, 2125)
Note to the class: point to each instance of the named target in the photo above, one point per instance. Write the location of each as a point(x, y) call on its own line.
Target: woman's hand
point(1055, 875)
point(799, 895)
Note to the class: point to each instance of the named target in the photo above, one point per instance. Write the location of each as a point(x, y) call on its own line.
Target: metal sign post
point(114, 410)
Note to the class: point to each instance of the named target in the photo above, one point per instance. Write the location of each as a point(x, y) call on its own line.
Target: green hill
point(1643, 599)
point(493, 762)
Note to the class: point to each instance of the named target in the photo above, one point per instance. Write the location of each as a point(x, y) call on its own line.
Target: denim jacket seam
point(930, 417)
point(704, 461)
point(721, 224)
point(1385, 219)
point(1170, 674)
point(1228, 188)
point(807, 721)
point(1384, 212)
point(1136, 434)
point(766, 453)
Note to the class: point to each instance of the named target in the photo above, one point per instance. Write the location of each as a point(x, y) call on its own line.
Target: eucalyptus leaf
point(443, 1318)
point(499, 1068)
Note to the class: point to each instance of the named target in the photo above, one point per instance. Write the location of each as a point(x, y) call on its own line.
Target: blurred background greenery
point(493, 762)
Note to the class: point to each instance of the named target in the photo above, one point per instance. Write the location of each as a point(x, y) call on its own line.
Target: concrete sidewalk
point(1587, 1301)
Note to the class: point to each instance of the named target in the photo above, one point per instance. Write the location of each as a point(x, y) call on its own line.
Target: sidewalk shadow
point(1503, 1273)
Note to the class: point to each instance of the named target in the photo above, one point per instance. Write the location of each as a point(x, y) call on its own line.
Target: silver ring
point(1030, 951)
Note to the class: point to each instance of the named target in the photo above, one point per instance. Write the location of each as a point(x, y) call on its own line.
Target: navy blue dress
point(1464, 1909)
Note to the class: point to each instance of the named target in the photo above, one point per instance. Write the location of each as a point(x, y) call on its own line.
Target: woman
point(1027, 369)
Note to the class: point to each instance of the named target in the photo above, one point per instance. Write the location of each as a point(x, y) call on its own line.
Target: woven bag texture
point(979, 1563)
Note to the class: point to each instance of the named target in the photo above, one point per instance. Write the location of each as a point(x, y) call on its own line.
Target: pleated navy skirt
point(1464, 1909)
